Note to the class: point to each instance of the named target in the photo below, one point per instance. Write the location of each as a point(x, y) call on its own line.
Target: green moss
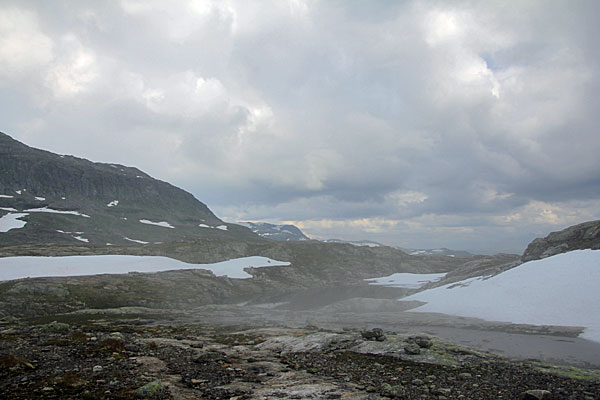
point(568, 371)
point(237, 339)
point(152, 390)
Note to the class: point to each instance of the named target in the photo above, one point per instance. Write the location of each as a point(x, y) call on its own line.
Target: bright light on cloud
point(24, 48)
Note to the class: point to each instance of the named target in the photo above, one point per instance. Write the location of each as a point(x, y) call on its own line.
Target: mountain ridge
point(122, 204)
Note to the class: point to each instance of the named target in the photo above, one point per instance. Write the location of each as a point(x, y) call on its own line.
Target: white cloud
point(187, 95)
point(182, 20)
point(75, 69)
point(24, 48)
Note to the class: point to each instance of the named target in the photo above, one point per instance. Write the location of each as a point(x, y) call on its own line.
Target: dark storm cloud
point(420, 123)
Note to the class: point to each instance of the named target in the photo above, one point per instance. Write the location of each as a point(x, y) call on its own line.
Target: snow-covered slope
point(560, 290)
point(23, 267)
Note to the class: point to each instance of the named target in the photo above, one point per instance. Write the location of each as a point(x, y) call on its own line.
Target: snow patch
point(52, 211)
point(221, 227)
point(163, 223)
point(12, 221)
point(135, 240)
point(40, 198)
point(558, 290)
point(75, 235)
point(22, 267)
point(113, 203)
point(18, 192)
point(6, 196)
point(405, 280)
point(8, 209)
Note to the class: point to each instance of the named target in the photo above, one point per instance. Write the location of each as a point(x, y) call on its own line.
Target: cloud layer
point(466, 124)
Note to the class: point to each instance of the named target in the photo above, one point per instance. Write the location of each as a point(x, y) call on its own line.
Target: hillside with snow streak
point(560, 290)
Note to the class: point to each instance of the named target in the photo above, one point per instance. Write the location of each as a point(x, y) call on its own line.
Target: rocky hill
point(577, 237)
point(51, 198)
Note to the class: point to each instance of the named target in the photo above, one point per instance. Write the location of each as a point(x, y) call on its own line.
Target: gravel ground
point(118, 360)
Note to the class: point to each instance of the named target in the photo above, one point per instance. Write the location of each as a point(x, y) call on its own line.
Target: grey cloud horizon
point(470, 125)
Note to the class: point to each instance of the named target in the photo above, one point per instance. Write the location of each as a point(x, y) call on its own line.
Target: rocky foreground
point(142, 358)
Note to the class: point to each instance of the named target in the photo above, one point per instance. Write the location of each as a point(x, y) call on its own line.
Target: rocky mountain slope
point(51, 198)
point(577, 237)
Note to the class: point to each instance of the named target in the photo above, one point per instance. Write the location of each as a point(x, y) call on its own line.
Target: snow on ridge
point(113, 203)
point(75, 235)
point(52, 211)
point(221, 227)
point(405, 280)
point(12, 221)
point(22, 267)
point(559, 290)
point(10, 209)
point(135, 240)
point(163, 224)
point(6, 196)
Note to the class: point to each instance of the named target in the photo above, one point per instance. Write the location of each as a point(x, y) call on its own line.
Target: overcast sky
point(465, 124)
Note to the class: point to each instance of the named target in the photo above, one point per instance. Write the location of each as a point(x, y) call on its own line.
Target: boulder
point(412, 349)
point(577, 237)
point(375, 334)
point(152, 389)
point(423, 342)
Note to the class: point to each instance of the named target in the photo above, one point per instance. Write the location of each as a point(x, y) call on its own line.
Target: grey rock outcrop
point(577, 237)
point(373, 334)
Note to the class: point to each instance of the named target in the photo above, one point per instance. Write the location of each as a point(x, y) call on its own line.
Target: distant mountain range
point(280, 233)
point(368, 243)
point(286, 233)
point(51, 198)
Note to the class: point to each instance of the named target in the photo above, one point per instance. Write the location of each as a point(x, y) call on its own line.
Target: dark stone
point(412, 349)
point(375, 334)
point(423, 342)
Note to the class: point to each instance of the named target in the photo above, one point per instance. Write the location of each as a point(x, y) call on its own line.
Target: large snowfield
point(560, 290)
point(23, 267)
